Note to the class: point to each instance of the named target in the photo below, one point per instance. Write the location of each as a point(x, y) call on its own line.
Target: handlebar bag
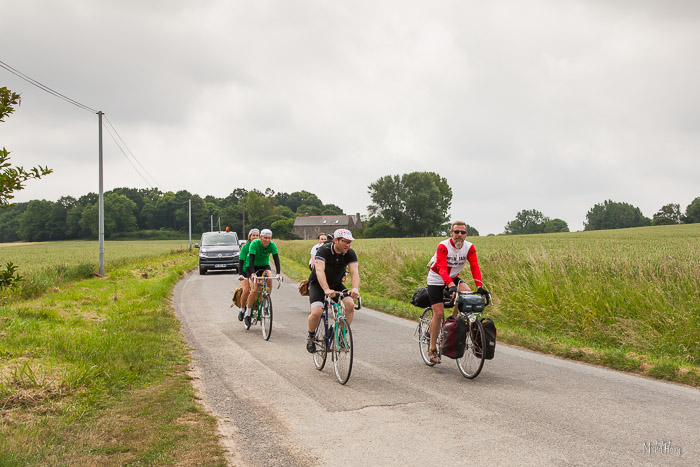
point(471, 303)
point(454, 337)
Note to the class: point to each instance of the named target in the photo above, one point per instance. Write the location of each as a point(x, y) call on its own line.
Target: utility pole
point(212, 223)
point(101, 203)
point(189, 206)
point(219, 223)
point(243, 235)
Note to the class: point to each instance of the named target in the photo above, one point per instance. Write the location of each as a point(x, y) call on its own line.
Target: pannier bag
point(454, 337)
point(420, 298)
point(237, 295)
point(471, 303)
point(489, 346)
point(304, 288)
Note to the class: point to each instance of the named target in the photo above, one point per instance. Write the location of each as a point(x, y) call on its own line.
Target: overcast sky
point(523, 104)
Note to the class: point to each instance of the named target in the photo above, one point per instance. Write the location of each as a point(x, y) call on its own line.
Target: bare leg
point(349, 309)
point(438, 312)
point(314, 318)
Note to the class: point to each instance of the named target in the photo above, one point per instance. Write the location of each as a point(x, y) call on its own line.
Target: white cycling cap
point(266, 232)
point(343, 233)
point(252, 231)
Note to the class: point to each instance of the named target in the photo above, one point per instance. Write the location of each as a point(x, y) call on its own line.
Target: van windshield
point(220, 239)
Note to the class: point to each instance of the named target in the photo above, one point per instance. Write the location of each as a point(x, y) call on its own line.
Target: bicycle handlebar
point(346, 293)
point(277, 277)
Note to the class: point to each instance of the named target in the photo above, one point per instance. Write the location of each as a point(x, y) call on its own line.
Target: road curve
point(275, 408)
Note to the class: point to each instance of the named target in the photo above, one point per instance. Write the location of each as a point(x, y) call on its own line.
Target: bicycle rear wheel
point(472, 361)
point(424, 335)
point(321, 352)
point(342, 351)
point(266, 318)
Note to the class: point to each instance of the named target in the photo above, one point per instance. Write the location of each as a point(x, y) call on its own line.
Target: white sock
point(247, 312)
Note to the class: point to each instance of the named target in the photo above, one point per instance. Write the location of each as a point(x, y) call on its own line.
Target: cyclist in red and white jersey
point(450, 258)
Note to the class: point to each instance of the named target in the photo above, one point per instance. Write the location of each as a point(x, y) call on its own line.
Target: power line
point(45, 88)
point(127, 157)
point(155, 182)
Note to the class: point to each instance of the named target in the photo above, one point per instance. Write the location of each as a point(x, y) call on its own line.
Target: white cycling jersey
point(449, 262)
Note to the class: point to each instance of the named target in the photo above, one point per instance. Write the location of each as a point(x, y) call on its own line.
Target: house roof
point(322, 220)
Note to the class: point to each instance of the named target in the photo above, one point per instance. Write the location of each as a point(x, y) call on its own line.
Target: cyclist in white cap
point(259, 265)
point(326, 278)
point(243, 270)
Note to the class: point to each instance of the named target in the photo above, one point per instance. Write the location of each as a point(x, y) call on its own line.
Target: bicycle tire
point(424, 335)
point(471, 363)
point(266, 318)
point(321, 352)
point(342, 351)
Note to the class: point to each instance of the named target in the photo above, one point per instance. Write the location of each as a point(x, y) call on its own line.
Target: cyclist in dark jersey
point(326, 278)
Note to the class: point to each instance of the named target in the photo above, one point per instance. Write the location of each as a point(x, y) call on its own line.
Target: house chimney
point(357, 217)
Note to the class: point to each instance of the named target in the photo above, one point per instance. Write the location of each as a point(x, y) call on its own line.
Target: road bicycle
point(470, 306)
point(262, 309)
point(335, 338)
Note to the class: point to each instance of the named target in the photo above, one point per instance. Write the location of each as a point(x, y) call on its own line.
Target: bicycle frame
point(336, 338)
point(338, 310)
point(263, 301)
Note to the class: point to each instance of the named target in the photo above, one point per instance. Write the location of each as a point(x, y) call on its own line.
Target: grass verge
point(94, 373)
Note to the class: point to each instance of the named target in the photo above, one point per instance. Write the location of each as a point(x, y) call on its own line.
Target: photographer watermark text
point(662, 447)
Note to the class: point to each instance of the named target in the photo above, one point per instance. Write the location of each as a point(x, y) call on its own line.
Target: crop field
point(49, 264)
point(629, 299)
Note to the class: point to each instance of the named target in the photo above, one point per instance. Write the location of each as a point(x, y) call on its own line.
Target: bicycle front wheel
point(424, 335)
point(472, 361)
point(266, 318)
point(342, 351)
point(321, 352)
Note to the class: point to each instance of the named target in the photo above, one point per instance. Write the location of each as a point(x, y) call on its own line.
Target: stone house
point(307, 227)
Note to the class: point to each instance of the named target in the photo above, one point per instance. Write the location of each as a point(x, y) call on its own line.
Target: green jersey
point(244, 254)
point(262, 254)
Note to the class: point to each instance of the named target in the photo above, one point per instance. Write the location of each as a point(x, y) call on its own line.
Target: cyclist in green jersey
point(243, 271)
point(259, 265)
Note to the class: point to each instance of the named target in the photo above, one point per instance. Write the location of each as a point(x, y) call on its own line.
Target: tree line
point(410, 205)
point(150, 213)
point(606, 215)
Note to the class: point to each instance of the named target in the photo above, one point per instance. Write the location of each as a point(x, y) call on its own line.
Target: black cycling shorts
point(316, 292)
point(259, 270)
point(435, 292)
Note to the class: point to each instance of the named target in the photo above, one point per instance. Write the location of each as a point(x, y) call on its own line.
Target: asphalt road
point(275, 408)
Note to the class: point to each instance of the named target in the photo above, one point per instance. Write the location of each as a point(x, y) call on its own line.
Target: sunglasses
point(460, 232)
point(347, 242)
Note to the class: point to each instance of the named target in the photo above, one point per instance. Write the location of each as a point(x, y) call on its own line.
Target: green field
point(50, 264)
point(629, 299)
